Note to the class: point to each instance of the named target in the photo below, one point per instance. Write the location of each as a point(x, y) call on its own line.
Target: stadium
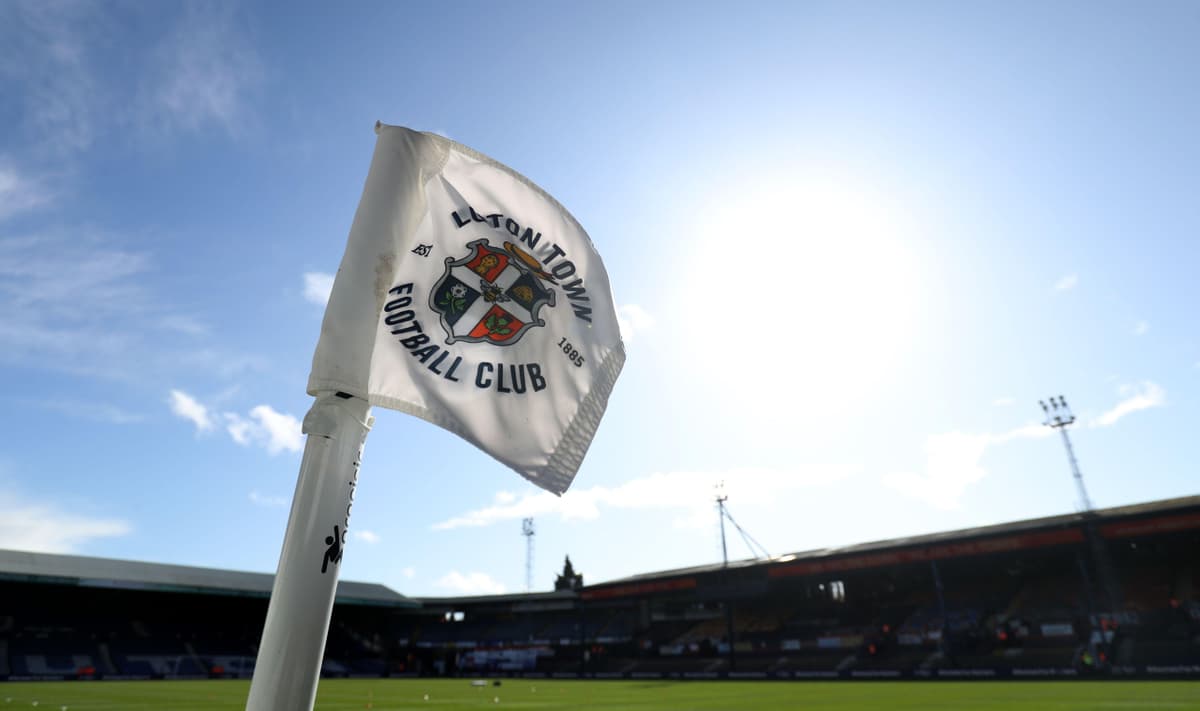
point(1112, 594)
point(587, 264)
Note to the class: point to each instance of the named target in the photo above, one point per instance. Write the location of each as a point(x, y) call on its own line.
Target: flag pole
point(293, 640)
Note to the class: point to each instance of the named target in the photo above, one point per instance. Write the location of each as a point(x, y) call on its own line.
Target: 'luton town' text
point(548, 253)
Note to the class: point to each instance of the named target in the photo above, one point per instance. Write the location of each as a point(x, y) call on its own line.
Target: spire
point(568, 579)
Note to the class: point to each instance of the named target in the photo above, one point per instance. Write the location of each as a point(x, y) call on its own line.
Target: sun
point(818, 278)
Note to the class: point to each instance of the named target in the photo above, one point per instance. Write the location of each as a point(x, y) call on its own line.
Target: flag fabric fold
point(469, 297)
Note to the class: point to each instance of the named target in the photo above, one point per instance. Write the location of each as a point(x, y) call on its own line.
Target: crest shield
point(491, 295)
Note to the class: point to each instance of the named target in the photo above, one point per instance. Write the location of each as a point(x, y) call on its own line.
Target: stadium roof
point(1172, 514)
point(133, 575)
point(1015, 527)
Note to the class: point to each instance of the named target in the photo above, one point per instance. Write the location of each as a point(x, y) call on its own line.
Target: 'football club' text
point(402, 323)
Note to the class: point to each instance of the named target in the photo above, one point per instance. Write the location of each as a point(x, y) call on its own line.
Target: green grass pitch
point(546, 695)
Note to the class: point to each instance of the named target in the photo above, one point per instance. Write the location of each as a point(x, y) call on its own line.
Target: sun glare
point(819, 276)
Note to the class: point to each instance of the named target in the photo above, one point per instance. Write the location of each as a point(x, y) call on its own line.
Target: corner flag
point(469, 297)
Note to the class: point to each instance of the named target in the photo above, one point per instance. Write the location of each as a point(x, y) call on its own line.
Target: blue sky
point(853, 245)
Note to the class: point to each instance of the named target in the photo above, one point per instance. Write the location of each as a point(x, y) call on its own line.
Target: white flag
point(469, 297)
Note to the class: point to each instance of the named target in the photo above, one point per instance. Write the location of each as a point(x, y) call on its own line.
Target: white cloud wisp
point(187, 407)
point(632, 320)
point(19, 193)
point(264, 426)
point(1067, 282)
point(203, 72)
point(1142, 396)
point(271, 502)
point(687, 493)
point(954, 459)
point(274, 431)
point(317, 287)
point(471, 584)
point(120, 333)
point(954, 463)
point(365, 536)
point(44, 528)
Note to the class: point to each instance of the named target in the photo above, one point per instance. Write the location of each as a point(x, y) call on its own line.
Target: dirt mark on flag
point(385, 271)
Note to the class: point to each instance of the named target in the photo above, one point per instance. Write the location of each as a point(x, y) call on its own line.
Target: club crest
point(491, 295)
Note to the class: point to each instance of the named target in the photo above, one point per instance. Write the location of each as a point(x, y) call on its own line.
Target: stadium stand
point(1015, 600)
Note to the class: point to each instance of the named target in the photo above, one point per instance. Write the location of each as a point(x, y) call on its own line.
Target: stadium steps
point(360, 639)
point(4, 657)
point(104, 656)
point(1109, 584)
point(933, 661)
point(1124, 655)
point(705, 629)
point(191, 653)
point(1017, 603)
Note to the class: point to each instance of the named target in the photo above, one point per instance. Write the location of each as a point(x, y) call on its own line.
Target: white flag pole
point(293, 640)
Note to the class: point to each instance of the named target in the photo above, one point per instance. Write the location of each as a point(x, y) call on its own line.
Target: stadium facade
point(1115, 593)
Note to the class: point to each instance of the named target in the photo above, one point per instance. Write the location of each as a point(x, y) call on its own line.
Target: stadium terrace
point(1015, 601)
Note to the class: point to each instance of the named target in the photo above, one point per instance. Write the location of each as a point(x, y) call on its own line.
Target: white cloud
point(44, 528)
point(1142, 396)
point(954, 463)
point(267, 501)
point(274, 431)
point(239, 428)
point(120, 333)
point(365, 536)
point(317, 287)
point(689, 494)
point(184, 324)
point(954, 460)
point(46, 52)
point(41, 322)
point(1141, 328)
point(33, 277)
point(188, 408)
point(1066, 282)
point(19, 193)
point(408, 572)
point(264, 426)
point(1005, 401)
point(203, 72)
point(633, 319)
point(470, 583)
point(282, 430)
point(222, 363)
